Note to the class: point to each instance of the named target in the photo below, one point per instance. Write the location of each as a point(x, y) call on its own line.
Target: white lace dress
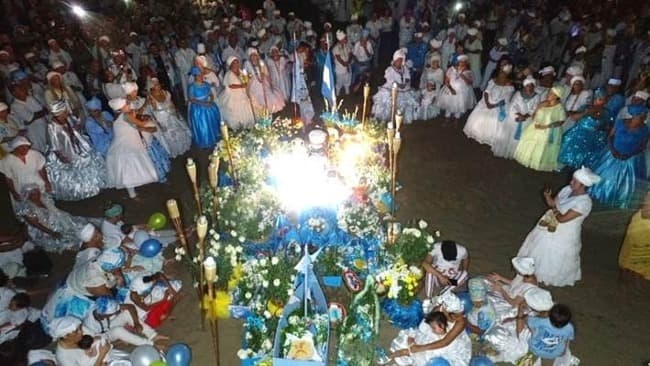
point(174, 129)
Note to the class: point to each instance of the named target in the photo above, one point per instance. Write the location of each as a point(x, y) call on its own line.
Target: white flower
point(239, 250)
point(267, 345)
point(430, 239)
point(248, 335)
point(290, 292)
point(267, 314)
point(233, 233)
point(242, 239)
point(265, 283)
point(275, 260)
point(437, 233)
point(263, 262)
point(422, 224)
point(276, 282)
point(417, 233)
point(178, 258)
point(254, 262)
point(248, 295)
point(242, 354)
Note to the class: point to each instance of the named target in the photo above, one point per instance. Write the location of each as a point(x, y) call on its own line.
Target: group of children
point(511, 320)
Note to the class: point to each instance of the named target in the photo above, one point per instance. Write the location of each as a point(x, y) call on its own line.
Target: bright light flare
point(79, 11)
point(458, 6)
point(302, 182)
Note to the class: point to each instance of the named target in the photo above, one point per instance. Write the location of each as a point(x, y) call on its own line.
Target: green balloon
point(157, 221)
point(158, 363)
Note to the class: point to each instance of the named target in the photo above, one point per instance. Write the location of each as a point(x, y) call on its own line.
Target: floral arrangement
point(359, 332)
point(285, 128)
point(399, 282)
point(329, 262)
point(305, 337)
point(247, 213)
point(412, 244)
point(258, 333)
point(359, 219)
point(227, 254)
point(266, 285)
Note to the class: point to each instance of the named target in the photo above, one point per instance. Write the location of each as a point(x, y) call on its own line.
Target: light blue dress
point(204, 119)
point(583, 143)
point(101, 136)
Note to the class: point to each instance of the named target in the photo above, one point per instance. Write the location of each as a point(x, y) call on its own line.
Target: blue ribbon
point(551, 135)
point(518, 131)
point(502, 112)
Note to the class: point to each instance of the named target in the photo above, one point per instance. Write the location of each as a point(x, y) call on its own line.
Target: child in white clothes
point(431, 81)
point(18, 313)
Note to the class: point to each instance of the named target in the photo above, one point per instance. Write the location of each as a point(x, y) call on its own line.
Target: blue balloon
point(438, 361)
point(150, 248)
point(468, 305)
point(179, 354)
point(481, 361)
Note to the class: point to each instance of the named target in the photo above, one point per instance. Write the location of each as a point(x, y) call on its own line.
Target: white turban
point(585, 176)
point(574, 70)
point(230, 60)
point(30, 55)
point(104, 38)
point(261, 33)
point(450, 302)
point(51, 75)
point(201, 60)
point(139, 286)
point(354, 17)
point(581, 49)
point(418, 35)
point(462, 58)
point(276, 12)
point(472, 31)
point(117, 104)
point(502, 41)
point(340, 35)
point(529, 80)
point(399, 54)
point(258, 11)
point(435, 43)
point(576, 79)
point(642, 94)
point(19, 141)
point(61, 327)
point(86, 233)
point(538, 299)
point(200, 48)
point(524, 265)
point(547, 70)
point(129, 87)
point(135, 34)
point(327, 25)
point(307, 24)
point(251, 51)
point(613, 81)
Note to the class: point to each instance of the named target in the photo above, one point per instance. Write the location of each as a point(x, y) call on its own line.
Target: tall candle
point(190, 166)
point(172, 209)
point(213, 174)
point(224, 131)
point(210, 268)
point(201, 227)
point(398, 119)
point(397, 142)
point(366, 90)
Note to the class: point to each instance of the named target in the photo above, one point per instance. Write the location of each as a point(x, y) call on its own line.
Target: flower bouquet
point(330, 268)
point(412, 244)
point(359, 219)
point(257, 340)
point(400, 284)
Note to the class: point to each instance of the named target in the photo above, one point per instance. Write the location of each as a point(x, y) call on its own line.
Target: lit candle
point(397, 143)
point(398, 119)
point(201, 227)
point(172, 209)
point(224, 131)
point(210, 268)
point(213, 170)
point(190, 166)
point(366, 90)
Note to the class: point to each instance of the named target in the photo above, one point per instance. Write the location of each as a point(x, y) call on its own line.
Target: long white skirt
point(235, 108)
point(482, 124)
point(407, 102)
point(456, 104)
point(505, 144)
point(129, 166)
point(175, 135)
point(557, 254)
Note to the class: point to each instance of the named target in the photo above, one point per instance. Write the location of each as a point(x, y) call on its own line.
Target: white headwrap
point(576, 79)
point(529, 80)
point(61, 327)
point(642, 94)
point(57, 64)
point(574, 70)
point(104, 38)
point(230, 59)
point(615, 82)
point(472, 31)
point(307, 24)
point(117, 104)
point(86, 233)
point(400, 53)
point(202, 60)
point(586, 176)
point(462, 58)
point(251, 51)
point(547, 70)
point(261, 33)
point(19, 141)
point(538, 299)
point(129, 87)
point(450, 302)
point(200, 48)
point(51, 75)
point(524, 265)
point(502, 41)
point(581, 49)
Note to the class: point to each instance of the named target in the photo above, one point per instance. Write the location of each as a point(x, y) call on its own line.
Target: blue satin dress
point(583, 143)
point(204, 119)
point(618, 182)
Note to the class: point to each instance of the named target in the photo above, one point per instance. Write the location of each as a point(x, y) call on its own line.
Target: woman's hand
point(548, 197)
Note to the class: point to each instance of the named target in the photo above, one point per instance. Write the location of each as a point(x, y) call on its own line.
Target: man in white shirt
point(184, 58)
point(342, 56)
point(446, 267)
point(354, 30)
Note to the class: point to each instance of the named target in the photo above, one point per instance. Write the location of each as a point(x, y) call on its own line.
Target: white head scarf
point(586, 176)
point(524, 265)
point(450, 302)
point(87, 232)
point(61, 327)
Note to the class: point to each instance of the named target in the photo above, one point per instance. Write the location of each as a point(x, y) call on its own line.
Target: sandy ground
point(488, 204)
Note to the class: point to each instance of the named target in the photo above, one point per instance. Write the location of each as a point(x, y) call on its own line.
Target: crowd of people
point(106, 98)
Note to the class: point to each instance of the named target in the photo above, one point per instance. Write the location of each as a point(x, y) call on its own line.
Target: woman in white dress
point(490, 112)
point(234, 103)
point(555, 242)
point(265, 98)
point(576, 102)
point(520, 112)
point(431, 81)
point(128, 161)
point(75, 169)
point(456, 346)
point(397, 75)
point(280, 78)
point(57, 90)
point(507, 294)
point(457, 96)
point(174, 128)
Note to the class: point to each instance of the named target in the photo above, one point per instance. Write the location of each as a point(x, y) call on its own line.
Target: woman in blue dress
point(583, 143)
point(202, 111)
point(623, 160)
